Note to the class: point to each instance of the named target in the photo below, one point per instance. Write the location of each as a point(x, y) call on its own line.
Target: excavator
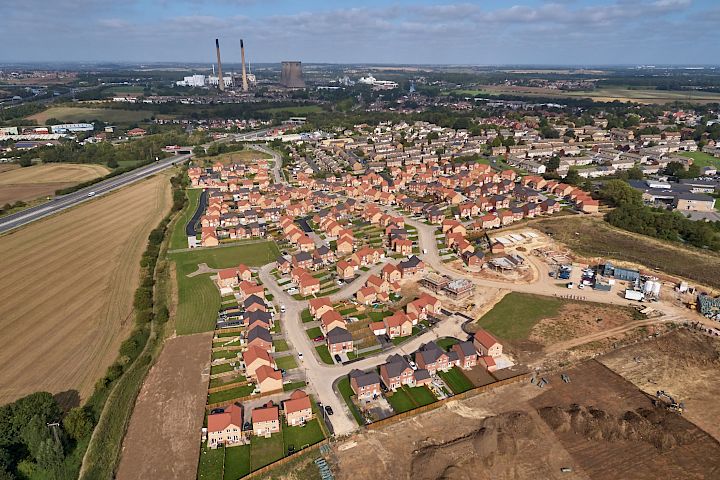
point(663, 399)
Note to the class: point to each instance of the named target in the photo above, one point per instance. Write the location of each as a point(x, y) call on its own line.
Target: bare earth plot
point(599, 425)
point(41, 180)
point(67, 288)
point(683, 364)
point(163, 440)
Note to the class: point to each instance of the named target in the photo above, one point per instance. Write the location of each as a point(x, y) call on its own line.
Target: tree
point(573, 177)
point(78, 423)
point(619, 193)
point(50, 453)
point(25, 162)
point(553, 164)
point(112, 163)
point(635, 173)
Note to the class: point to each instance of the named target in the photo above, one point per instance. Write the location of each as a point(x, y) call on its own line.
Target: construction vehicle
point(663, 399)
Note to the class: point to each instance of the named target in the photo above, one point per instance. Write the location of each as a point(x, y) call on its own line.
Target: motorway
point(64, 202)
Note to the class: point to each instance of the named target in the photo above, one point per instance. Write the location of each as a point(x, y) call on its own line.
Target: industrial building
point(291, 75)
point(609, 270)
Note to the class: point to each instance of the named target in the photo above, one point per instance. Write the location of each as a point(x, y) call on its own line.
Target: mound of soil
point(654, 426)
point(500, 442)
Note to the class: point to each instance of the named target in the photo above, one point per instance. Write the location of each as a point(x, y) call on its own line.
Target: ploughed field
point(42, 180)
point(67, 290)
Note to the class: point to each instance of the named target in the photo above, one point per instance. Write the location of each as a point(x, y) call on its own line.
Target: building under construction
point(291, 75)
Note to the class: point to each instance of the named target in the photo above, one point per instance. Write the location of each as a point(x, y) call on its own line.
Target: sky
point(484, 32)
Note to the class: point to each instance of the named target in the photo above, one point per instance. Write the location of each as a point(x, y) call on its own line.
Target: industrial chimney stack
point(244, 74)
point(221, 82)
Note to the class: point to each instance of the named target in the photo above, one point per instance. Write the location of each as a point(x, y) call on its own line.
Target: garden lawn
point(456, 380)
point(225, 395)
point(306, 316)
point(400, 401)
point(313, 332)
point(324, 353)
point(281, 346)
point(421, 395)
point(237, 462)
point(288, 387)
point(264, 451)
point(217, 382)
point(211, 463)
point(300, 437)
point(446, 343)
point(516, 314)
point(286, 363)
point(198, 297)
point(225, 367)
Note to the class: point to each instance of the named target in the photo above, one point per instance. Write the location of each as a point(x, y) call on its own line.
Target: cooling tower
point(221, 82)
point(244, 74)
point(291, 75)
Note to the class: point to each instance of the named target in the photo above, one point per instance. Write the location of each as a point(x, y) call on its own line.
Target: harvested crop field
point(597, 240)
point(67, 290)
point(167, 445)
point(598, 425)
point(683, 363)
point(41, 180)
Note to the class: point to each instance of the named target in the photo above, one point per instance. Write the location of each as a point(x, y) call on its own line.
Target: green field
point(264, 451)
point(515, 315)
point(237, 462)
point(178, 238)
point(299, 110)
point(198, 297)
point(78, 114)
point(702, 159)
point(456, 380)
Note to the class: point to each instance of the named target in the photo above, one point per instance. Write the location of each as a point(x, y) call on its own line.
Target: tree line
point(633, 215)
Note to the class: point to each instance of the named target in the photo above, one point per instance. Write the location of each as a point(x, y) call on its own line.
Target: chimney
point(244, 74)
point(221, 83)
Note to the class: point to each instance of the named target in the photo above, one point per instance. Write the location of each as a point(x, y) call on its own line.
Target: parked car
point(319, 338)
point(282, 308)
point(337, 358)
point(328, 409)
point(300, 355)
point(413, 365)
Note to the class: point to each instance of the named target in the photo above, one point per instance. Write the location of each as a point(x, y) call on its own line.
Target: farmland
point(607, 94)
point(67, 292)
point(77, 114)
point(595, 239)
point(198, 297)
point(41, 180)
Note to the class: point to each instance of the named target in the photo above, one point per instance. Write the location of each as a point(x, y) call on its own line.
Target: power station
point(244, 73)
point(291, 75)
point(221, 82)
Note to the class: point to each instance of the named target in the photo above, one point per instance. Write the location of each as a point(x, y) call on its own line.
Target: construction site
point(641, 412)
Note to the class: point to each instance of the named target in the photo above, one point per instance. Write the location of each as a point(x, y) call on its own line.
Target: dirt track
point(67, 290)
point(168, 413)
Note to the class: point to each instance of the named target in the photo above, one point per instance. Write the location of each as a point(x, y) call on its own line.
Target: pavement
point(70, 200)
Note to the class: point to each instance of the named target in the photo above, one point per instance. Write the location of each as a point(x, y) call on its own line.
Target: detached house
point(266, 420)
point(339, 340)
point(298, 409)
point(486, 344)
